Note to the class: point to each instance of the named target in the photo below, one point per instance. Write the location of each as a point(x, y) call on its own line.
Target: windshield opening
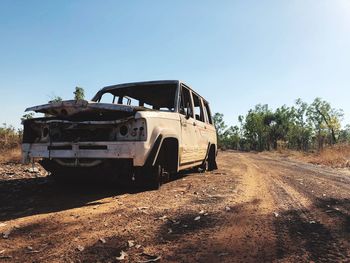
point(154, 96)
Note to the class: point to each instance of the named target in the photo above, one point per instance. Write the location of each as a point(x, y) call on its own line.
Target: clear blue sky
point(234, 53)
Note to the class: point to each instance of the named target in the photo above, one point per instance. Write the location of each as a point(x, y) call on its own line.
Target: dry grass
point(10, 144)
point(10, 155)
point(335, 156)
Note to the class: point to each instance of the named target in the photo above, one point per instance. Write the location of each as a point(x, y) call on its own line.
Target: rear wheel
point(212, 159)
point(204, 167)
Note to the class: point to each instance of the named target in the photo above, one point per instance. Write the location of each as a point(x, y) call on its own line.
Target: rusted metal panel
point(70, 107)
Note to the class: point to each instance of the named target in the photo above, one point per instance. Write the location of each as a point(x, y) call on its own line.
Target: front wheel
point(155, 177)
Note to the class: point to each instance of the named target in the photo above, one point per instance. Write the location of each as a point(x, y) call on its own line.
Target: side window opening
point(125, 100)
point(205, 112)
point(148, 106)
point(198, 110)
point(206, 105)
point(108, 98)
point(185, 101)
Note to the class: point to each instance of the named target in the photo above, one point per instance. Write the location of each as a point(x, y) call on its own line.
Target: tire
point(155, 177)
point(204, 167)
point(212, 160)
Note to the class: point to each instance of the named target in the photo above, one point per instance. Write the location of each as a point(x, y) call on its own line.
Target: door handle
point(194, 124)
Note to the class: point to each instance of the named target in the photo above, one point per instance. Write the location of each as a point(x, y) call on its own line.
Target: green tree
point(257, 126)
point(27, 116)
point(344, 135)
point(79, 93)
point(326, 121)
point(299, 127)
point(219, 123)
point(279, 123)
point(301, 131)
point(231, 138)
point(220, 127)
point(55, 98)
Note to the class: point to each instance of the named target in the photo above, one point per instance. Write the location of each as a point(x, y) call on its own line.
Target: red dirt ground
point(255, 208)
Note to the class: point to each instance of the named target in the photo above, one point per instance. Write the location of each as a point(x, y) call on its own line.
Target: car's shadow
point(31, 196)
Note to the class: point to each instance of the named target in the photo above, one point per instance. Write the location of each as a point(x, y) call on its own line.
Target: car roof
point(146, 83)
point(141, 83)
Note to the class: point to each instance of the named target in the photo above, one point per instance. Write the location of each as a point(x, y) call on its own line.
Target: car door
point(201, 131)
point(188, 145)
point(210, 128)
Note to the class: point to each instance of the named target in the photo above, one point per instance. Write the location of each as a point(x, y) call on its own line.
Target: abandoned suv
point(139, 132)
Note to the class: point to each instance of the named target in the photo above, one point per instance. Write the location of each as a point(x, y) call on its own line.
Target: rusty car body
point(143, 131)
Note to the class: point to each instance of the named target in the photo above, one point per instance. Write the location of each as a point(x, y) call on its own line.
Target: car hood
point(69, 108)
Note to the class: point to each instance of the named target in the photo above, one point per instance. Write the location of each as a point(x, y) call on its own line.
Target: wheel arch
point(165, 146)
point(212, 149)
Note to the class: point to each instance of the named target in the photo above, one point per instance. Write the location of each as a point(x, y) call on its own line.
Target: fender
point(153, 154)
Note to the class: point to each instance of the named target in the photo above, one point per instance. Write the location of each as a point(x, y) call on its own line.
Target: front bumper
point(137, 151)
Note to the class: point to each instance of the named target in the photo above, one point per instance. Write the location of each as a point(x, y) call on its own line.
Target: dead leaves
point(122, 256)
point(80, 248)
point(149, 258)
point(6, 233)
point(131, 243)
point(102, 240)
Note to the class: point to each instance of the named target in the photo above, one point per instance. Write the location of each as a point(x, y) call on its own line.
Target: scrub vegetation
point(302, 127)
point(9, 143)
point(308, 132)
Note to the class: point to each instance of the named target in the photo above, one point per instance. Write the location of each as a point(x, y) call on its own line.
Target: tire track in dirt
point(328, 176)
point(300, 221)
point(277, 221)
point(249, 233)
point(331, 196)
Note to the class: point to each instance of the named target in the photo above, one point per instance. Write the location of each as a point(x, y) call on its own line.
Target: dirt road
point(255, 208)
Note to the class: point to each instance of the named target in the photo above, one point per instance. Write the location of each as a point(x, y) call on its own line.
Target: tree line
point(301, 126)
